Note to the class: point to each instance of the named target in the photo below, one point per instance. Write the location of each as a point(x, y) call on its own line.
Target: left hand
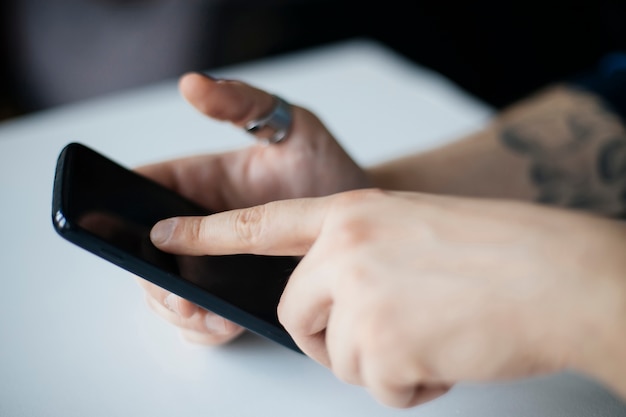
point(309, 162)
point(407, 294)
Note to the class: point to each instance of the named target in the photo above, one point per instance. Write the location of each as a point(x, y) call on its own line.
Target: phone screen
point(110, 210)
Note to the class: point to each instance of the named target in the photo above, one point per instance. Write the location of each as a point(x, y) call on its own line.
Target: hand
point(407, 294)
point(309, 162)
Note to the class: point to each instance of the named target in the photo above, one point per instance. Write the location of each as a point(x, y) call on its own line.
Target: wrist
point(475, 166)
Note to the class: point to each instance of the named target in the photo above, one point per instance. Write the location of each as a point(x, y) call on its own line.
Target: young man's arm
point(563, 146)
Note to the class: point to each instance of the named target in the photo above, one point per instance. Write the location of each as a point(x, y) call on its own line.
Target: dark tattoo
point(577, 155)
point(612, 160)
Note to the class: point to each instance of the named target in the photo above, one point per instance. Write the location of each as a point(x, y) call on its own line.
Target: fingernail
point(162, 231)
point(215, 324)
point(171, 302)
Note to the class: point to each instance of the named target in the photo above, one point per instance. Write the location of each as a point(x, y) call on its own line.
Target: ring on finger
point(275, 126)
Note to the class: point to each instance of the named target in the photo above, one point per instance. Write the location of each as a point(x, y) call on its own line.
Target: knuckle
point(394, 384)
point(395, 396)
point(346, 374)
point(356, 285)
point(377, 337)
point(345, 363)
point(351, 232)
point(249, 225)
point(351, 226)
point(301, 322)
point(194, 231)
point(290, 319)
point(283, 314)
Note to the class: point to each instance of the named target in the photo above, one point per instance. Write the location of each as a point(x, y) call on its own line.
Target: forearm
point(559, 147)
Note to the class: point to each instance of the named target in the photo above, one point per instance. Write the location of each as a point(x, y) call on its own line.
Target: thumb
point(226, 100)
point(287, 228)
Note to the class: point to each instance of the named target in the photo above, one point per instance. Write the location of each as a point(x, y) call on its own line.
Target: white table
point(76, 337)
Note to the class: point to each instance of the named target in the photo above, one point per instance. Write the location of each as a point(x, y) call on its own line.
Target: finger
point(172, 302)
point(164, 173)
point(232, 101)
point(305, 306)
point(185, 314)
point(208, 339)
point(409, 396)
point(393, 396)
point(200, 178)
point(204, 322)
point(393, 381)
point(170, 174)
point(424, 394)
point(286, 227)
point(340, 342)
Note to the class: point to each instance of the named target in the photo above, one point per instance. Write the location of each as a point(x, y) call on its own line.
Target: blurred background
point(55, 52)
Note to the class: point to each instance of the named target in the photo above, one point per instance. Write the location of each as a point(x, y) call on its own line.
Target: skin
point(311, 163)
point(560, 146)
point(439, 281)
point(517, 264)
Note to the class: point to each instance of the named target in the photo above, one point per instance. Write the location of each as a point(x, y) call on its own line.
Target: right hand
point(409, 293)
point(308, 163)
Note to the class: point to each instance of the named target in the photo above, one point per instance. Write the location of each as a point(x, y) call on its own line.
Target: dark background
point(498, 51)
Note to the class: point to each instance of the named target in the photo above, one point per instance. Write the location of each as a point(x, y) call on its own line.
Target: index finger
point(287, 227)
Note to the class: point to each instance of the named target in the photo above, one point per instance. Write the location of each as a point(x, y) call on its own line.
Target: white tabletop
point(76, 336)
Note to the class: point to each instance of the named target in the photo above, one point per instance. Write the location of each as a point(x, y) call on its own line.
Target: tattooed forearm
point(612, 160)
point(577, 152)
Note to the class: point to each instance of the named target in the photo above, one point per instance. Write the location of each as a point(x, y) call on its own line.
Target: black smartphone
point(109, 210)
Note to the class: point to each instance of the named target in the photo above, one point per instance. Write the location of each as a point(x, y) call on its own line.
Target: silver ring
point(275, 126)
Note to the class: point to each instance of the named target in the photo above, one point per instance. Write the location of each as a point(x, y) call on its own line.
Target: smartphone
point(109, 210)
